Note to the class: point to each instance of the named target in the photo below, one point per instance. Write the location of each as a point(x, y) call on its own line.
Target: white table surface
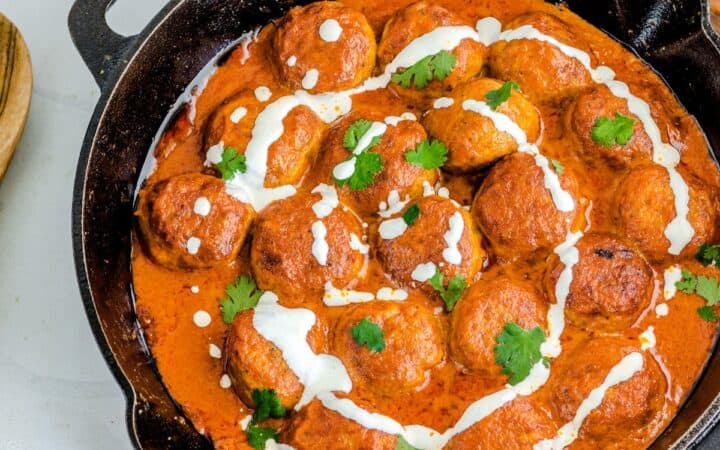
point(56, 391)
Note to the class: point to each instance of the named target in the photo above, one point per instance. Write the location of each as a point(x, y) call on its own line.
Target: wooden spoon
point(15, 90)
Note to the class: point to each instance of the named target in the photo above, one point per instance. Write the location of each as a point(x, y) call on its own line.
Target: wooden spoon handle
point(15, 90)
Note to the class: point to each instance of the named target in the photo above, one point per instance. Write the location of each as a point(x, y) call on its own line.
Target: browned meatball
point(519, 425)
point(610, 287)
point(316, 427)
point(327, 37)
point(282, 254)
point(645, 204)
point(471, 138)
point(627, 406)
point(516, 212)
point(425, 242)
point(482, 313)
point(289, 157)
point(418, 19)
point(253, 362)
point(397, 174)
point(599, 102)
point(544, 72)
point(413, 344)
point(189, 221)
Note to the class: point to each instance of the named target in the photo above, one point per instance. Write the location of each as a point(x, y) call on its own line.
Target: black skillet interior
point(141, 78)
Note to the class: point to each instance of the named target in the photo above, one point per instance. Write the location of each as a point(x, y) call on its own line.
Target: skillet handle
point(102, 49)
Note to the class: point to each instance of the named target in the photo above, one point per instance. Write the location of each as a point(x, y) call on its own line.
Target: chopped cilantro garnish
point(433, 67)
point(368, 334)
point(454, 290)
point(412, 214)
point(609, 132)
point(707, 288)
point(402, 444)
point(367, 164)
point(257, 436)
point(231, 163)
point(267, 404)
point(501, 95)
point(708, 314)
point(518, 350)
point(428, 155)
point(559, 168)
point(355, 132)
point(708, 254)
point(242, 295)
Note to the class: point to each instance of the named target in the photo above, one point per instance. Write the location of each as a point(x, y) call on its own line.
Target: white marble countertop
point(56, 391)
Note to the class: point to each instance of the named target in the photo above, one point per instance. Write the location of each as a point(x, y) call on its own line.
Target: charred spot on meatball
point(189, 221)
point(611, 284)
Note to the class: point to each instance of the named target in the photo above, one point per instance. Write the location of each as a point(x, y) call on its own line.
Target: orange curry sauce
point(166, 305)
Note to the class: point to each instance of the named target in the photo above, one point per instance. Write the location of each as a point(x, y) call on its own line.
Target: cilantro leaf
point(257, 436)
point(708, 314)
point(559, 168)
point(267, 404)
point(455, 288)
point(368, 334)
point(499, 96)
point(708, 254)
point(609, 132)
point(433, 67)
point(428, 155)
point(402, 444)
point(231, 163)
point(412, 214)
point(708, 288)
point(242, 295)
point(354, 132)
point(518, 350)
point(367, 166)
point(687, 283)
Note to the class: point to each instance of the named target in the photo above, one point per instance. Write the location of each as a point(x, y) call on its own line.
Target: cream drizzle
point(202, 206)
point(562, 199)
point(672, 275)
point(357, 245)
point(456, 225)
point(291, 61)
point(310, 79)
point(193, 245)
point(392, 228)
point(647, 339)
point(423, 272)
point(393, 205)
point(343, 297)
point(623, 371)
point(238, 114)
point(394, 120)
point(320, 247)
point(387, 293)
point(443, 102)
point(328, 202)
point(330, 30)
point(346, 169)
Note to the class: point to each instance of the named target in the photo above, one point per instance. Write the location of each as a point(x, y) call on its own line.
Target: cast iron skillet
point(142, 76)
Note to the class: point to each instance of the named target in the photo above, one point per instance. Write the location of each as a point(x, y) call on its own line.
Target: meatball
point(545, 73)
point(519, 425)
point(253, 362)
point(413, 344)
point(287, 250)
point(481, 314)
point(324, 46)
point(516, 212)
point(406, 180)
point(317, 427)
point(610, 287)
point(443, 234)
point(472, 139)
point(599, 102)
point(189, 221)
point(627, 406)
point(645, 205)
point(418, 19)
point(289, 157)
